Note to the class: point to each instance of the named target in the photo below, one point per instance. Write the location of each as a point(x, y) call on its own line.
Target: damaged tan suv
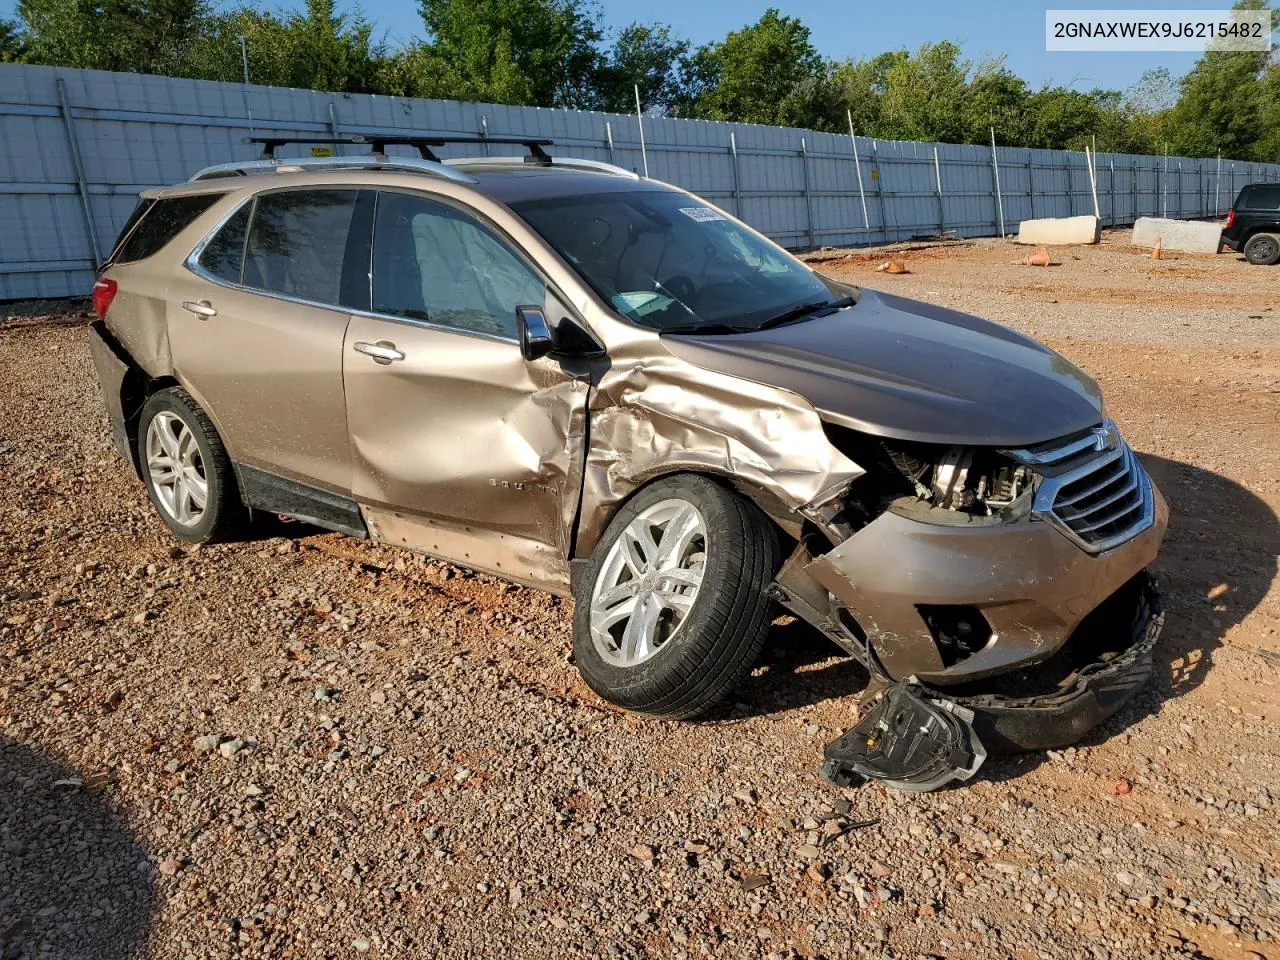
point(556, 372)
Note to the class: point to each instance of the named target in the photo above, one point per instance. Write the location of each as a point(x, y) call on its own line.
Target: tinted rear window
point(1260, 198)
point(138, 213)
point(297, 242)
point(161, 222)
point(223, 254)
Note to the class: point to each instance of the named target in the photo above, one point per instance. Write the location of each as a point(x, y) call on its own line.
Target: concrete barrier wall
point(76, 147)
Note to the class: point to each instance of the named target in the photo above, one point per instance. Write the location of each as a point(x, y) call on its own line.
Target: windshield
point(665, 261)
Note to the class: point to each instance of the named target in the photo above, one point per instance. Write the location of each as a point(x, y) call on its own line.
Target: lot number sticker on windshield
point(702, 214)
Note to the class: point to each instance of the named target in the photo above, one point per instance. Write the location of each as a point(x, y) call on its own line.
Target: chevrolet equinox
point(556, 372)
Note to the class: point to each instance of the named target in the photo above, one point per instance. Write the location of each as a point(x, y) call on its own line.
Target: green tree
point(647, 56)
point(767, 72)
point(1223, 102)
point(12, 45)
point(148, 36)
point(1061, 119)
point(317, 49)
point(996, 99)
point(535, 52)
point(924, 95)
point(857, 92)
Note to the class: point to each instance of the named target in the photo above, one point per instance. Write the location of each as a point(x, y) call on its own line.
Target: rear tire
point(188, 475)
point(1263, 249)
point(694, 561)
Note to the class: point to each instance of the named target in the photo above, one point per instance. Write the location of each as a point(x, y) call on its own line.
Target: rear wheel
point(186, 469)
point(672, 610)
point(1263, 249)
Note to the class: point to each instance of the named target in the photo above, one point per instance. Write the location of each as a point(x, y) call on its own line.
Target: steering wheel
point(682, 289)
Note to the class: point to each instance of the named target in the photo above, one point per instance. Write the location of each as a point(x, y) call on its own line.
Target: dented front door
point(460, 447)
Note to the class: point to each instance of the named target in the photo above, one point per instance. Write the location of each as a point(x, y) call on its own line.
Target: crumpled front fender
point(653, 414)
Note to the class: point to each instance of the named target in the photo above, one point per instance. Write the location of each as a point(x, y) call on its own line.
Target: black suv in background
point(1253, 225)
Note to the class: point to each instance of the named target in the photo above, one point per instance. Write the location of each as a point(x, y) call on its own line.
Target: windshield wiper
point(817, 307)
point(711, 328)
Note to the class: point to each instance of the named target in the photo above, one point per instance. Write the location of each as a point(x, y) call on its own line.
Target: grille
point(1093, 487)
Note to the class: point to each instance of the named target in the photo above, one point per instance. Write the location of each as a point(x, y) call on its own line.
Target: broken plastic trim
point(911, 741)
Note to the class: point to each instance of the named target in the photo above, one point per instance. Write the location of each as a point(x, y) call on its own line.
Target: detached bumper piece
point(919, 738)
point(908, 739)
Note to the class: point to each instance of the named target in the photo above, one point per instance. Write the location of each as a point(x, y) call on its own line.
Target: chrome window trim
point(192, 263)
point(192, 260)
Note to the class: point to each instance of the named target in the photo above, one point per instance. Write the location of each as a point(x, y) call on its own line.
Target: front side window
point(665, 261)
point(158, 223)
point(223, 255)
point(297, 242)
point(436, 264)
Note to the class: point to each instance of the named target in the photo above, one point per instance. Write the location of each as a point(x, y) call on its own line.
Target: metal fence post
point(857, 169)
point(737, 182)
point(1031, 182)
point(808, 197)
point(937, 179)
point(484, 133)
point(608, 135)
point(82, 185)
point(333, 122)
point(995, 166)
point(879, 180)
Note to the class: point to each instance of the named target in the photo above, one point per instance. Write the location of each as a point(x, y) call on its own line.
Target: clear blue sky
point(862, 28)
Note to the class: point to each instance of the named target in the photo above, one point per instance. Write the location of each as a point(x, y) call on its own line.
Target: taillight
point(104, 291)
point(1231, 217)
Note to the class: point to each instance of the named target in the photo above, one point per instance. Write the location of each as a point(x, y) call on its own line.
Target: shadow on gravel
point(1217, 564)
point(73, 882)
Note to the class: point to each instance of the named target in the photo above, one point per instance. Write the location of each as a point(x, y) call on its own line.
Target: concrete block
point(1188, 236)
point(1056, 231)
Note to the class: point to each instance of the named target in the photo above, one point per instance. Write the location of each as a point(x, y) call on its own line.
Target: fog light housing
point(958, 631)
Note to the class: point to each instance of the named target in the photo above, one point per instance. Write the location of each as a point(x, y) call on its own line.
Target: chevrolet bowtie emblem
point(1104, 437)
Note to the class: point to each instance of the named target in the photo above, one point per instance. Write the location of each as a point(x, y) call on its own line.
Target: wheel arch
point(786, 523)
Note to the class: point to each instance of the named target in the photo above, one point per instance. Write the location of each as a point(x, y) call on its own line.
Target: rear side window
point(297, 241)
point(222, 256)
point(1261, 198)
point(161, 222)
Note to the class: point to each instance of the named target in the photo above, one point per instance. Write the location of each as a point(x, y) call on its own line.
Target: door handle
point(384, 351)
point(201, 308)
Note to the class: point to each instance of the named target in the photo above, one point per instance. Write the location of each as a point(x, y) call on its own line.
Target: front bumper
point(1027, 579)
point(917, 738)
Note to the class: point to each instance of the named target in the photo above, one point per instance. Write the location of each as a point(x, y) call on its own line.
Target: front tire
point(1263, 249)
point(188, 475)
point(672, 609)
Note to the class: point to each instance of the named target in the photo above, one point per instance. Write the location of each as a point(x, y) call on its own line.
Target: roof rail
point(244, 168)
point(379, 142)
point(571, 162)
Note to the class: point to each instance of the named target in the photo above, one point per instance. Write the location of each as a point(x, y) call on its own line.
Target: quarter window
point(434, 263)
point(161, 222)
point(222, 256)
point(297, 241)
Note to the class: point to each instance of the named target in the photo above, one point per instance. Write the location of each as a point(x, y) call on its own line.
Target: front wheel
point(1263, 249)
point(672, 610)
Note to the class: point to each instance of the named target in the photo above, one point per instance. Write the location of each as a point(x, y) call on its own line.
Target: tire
point(693, 663)
point(172, 413)
point(1263, 249)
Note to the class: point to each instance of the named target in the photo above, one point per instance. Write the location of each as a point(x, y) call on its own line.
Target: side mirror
point(535, 334)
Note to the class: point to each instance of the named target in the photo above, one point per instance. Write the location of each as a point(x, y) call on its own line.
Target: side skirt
point(272, 493)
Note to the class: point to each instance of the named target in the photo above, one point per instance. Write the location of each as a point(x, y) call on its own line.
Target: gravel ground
point(311, 746)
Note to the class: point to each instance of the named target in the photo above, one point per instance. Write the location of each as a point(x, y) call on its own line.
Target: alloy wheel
point(176, 469)
point(648, 582)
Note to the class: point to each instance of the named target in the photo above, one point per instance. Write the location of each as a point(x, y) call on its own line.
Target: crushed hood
point(900, 368)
